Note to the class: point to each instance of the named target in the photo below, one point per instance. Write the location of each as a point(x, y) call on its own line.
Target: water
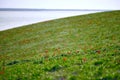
point(12, 19)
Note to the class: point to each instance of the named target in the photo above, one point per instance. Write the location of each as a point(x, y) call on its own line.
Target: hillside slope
point(81, 47)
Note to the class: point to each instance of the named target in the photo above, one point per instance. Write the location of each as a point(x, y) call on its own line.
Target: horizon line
point(44, 9)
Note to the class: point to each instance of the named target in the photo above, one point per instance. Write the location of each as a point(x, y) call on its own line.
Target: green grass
point(83, 47)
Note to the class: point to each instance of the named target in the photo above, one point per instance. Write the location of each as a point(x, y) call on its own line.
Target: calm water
point(12, 19)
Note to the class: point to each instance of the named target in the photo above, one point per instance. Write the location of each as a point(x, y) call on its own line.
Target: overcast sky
point(61, 4)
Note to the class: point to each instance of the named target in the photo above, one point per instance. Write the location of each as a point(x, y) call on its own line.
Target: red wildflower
point(46, 51)
point(46, 55)
point(1, 72)
point(64, 59)
point(84, 59)
point(98, 51)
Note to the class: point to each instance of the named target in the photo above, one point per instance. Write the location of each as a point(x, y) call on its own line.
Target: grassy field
point(83, 47)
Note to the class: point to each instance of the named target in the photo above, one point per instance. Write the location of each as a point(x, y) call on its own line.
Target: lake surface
point(12, 19)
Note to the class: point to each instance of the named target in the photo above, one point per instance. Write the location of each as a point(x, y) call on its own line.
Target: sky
point(61, 4)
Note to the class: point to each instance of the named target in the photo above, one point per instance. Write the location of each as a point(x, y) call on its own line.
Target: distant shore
point(29, 9)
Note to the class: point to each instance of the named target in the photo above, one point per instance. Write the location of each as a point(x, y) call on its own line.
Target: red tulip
point(64, 59)
point(98, 51)
point(1, 72)
point(84, 59)
point(46, 51)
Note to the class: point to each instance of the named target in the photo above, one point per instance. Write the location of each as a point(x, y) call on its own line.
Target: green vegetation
point(74, 48)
